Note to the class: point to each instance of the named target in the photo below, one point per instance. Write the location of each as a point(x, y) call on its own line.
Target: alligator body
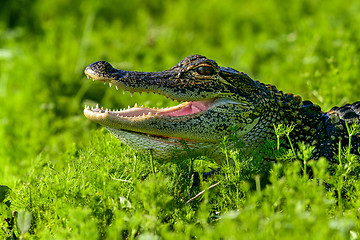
point(215, 99)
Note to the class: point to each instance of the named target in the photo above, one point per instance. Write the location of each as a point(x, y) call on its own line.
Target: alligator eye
point(204, 70)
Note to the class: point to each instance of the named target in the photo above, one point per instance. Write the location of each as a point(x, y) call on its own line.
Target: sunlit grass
point(76, 181)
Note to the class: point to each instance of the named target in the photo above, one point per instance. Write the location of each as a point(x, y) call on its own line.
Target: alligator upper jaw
point(169, 83)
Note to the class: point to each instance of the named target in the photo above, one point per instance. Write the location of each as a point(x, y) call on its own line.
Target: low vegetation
point(64, 177)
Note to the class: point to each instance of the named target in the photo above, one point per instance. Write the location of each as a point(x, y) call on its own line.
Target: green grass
point(70, 179)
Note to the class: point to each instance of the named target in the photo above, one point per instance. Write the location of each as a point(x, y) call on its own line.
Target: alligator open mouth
point(185, 108)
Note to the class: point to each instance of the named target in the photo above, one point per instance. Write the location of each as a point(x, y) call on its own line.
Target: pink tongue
point(191, 108)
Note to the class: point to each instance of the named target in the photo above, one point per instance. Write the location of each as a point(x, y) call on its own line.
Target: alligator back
point(348, 112)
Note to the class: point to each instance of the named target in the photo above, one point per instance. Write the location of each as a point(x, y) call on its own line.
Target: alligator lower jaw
point(162, 148)
point(126, 119)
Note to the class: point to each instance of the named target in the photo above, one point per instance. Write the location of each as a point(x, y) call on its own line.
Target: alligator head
point(214, 99)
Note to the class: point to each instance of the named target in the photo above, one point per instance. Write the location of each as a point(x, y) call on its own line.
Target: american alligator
point(215, 99)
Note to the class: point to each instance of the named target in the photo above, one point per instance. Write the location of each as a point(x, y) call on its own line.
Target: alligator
point(216, 102)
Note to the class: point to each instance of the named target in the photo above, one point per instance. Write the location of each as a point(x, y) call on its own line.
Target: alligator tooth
point(92, 108)
point(102, 108)
point(135, 105)
point(131, 94)
point(106, 110)
point(128, 107)
point(149, 114)
point(123, 91)
point(117, 88)
point(97, 105)
point(110, 84)
point(104, 83)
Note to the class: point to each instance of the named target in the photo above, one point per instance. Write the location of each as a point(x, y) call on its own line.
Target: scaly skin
point(215, 100)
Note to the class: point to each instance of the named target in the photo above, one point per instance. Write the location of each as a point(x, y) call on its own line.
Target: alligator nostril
point(99, 69)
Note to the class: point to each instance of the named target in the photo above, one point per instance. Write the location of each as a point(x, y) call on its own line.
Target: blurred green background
point(308, 47)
